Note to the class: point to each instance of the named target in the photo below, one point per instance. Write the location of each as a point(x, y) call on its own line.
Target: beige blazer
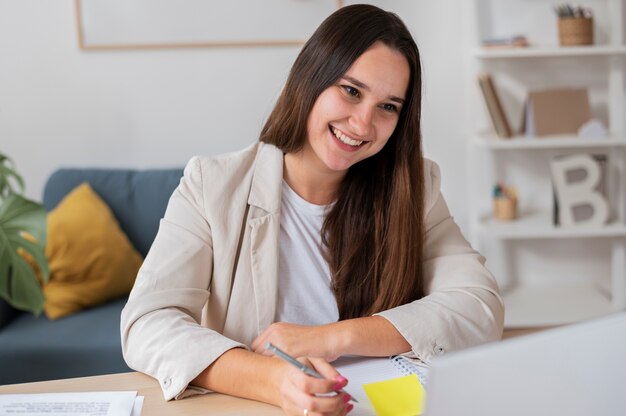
point(209, 282)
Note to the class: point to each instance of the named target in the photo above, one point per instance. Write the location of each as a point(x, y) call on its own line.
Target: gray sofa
point(88, 342)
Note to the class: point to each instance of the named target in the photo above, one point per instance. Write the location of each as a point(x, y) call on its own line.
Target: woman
point(329, 237)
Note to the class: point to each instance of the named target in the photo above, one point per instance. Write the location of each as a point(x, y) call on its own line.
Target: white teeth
point(345, 139)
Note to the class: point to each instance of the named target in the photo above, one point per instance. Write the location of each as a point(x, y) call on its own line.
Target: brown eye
point(390, 107)
point(351, 90)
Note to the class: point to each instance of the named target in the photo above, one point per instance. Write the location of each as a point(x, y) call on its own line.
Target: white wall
point(60, 106)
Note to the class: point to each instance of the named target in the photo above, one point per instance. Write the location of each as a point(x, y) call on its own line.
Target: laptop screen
point(574, 370)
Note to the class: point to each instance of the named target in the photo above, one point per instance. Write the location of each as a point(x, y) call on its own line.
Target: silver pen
point(305, 369)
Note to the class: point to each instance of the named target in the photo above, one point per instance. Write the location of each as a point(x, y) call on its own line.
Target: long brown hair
point(373, 235)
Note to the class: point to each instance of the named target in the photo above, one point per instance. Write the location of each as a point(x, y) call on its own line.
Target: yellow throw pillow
point(90, 258)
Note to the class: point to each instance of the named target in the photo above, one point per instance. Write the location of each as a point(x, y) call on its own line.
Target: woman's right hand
point(301, 394)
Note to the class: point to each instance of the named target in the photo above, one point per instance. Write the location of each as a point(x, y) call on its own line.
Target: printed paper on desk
point(403, 396)
point(105, 403)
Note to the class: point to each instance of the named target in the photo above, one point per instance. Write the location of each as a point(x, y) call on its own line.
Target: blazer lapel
point(264, 223)
point(264, 262)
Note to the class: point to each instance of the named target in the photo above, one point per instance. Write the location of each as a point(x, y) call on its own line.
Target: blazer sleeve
point(462, 306)
point(160, 325)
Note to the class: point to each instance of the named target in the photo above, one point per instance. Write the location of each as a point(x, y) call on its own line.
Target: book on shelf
point(556, 112)
point(494, 106)
point(511, 42)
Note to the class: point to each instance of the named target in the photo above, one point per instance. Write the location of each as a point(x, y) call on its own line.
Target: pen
point(305, 369)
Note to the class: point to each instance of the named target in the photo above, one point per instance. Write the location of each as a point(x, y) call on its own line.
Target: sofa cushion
point(138, 198)
point(87, 343)
point(83, 344)
point(89, 257)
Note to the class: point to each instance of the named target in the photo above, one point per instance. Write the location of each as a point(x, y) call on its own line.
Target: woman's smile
point(344, 141)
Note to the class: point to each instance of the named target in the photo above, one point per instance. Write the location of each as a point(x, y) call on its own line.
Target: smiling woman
point(353, 119)
point(329, 237)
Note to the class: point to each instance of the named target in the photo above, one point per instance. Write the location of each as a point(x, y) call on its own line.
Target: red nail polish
point(340, 382)
point(341, 379)
point(349, 407)
point(346, 398)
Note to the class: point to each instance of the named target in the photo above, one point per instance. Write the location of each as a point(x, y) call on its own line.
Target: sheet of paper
point(403, 396)
point(365, 370)
point(110, 403)
point(138, 405)
point(362, 370)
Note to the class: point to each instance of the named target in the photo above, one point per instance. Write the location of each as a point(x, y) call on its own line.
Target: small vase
point(505, 209)
point(575, 31)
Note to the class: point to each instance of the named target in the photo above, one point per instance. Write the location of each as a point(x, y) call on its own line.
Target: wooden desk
point(154, 404)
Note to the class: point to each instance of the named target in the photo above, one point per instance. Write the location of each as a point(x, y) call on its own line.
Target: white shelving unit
point(491, 142)
point(551, 52)
point(552, 304)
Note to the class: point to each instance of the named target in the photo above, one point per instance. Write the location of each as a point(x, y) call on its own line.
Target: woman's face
point(353, 119)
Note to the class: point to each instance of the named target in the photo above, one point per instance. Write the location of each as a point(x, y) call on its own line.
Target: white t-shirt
point(304, 286)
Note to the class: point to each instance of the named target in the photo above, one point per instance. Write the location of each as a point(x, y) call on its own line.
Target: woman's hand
point(301, 341)
point(300, 393)
point(272, 380)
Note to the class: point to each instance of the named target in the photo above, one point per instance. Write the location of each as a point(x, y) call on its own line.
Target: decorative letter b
point(572, 194)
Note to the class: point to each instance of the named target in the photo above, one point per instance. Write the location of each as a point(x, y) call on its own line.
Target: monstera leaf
point(9, 178)
point(22, 235)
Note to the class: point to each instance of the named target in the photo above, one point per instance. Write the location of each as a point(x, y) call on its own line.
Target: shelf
point(551, 52)
point(492, 142)
point(539, 226)
point(556, 301)
point(535, 306)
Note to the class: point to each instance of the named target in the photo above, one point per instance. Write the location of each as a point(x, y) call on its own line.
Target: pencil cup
point(575, 31)
point(505, 209)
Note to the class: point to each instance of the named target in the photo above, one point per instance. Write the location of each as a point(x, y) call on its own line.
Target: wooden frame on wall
point(143, 24)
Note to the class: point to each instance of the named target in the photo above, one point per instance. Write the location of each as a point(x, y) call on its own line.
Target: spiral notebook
point(366, 370)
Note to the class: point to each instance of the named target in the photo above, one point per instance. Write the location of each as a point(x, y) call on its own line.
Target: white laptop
point(574, 370)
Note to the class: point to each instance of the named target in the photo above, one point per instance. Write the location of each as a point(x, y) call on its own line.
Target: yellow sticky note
point(403, 396)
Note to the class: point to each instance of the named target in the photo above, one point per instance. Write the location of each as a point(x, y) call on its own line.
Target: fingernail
point(340, 382)
point(349, 407)
point(346, 398)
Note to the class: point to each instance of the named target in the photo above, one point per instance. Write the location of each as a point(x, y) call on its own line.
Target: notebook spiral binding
point(407, 368)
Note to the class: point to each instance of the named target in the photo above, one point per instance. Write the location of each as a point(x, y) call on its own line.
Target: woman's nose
point(361, 120)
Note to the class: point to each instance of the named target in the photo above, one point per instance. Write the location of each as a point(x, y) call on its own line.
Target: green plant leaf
point(8, 175)
point(18, 283)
